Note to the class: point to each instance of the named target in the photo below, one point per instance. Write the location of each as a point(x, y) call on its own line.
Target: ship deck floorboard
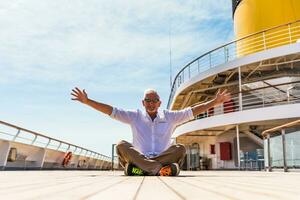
point(215, 185)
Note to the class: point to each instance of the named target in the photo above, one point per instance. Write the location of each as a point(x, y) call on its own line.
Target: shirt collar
point(160, 117)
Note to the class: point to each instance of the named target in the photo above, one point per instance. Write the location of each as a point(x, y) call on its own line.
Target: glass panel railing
point(276, 151)
point(293, 149)
point(283, 150)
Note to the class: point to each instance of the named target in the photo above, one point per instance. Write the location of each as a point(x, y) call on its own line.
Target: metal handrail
point(230, 50)
point(46, 137)
point(277, 128)
point(255, 98)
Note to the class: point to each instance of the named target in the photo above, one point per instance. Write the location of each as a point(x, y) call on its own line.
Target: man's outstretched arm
point(220, 98)
point(82, 97)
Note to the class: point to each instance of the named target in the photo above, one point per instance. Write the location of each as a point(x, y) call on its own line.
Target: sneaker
point(132, 170)
point(170, 170)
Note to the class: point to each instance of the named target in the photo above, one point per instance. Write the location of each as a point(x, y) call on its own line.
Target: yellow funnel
point(253, 16)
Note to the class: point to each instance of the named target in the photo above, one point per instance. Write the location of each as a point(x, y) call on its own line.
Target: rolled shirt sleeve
point(125, 116)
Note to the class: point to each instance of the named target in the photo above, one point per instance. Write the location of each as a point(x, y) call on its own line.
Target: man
point(151, 152)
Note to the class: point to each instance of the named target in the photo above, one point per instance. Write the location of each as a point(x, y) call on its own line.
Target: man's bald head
point(150, 91)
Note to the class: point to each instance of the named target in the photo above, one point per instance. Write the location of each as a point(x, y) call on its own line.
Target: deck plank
point(153, 187)
point(58, 188)
point(229, 191)
point(130, 187)
point(189, 191)
point(80, 185)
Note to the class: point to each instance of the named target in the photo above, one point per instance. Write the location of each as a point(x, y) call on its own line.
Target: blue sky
point(114, 49)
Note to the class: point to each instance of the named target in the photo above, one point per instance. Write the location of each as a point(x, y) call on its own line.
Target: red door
point(225, 150)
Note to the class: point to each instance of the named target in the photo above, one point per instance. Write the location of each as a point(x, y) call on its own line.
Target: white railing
point(10, 132)
point(267, 39)
point(257, 98)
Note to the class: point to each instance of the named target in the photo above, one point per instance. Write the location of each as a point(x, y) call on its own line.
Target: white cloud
point(61, 40)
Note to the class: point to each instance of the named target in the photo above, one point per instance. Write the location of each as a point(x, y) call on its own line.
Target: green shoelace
point(137, 171)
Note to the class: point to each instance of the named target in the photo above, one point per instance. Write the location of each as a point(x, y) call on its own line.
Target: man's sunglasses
point(151, 100)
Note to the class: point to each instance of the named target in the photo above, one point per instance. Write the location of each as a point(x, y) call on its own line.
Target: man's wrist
point(87, 101)
point(214, 102)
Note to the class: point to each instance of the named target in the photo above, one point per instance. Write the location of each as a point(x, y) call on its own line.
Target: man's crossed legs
point(174, 155)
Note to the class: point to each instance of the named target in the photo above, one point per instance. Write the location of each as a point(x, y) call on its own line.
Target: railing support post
point(269, 154)
point(112, 156)
point(48, 143)
point(284, 150)
point(188, 158)
point(35, 137)
point(240, 90)
point(19, 131)
point(58, 146)
point(68, 148)
point(238, 145)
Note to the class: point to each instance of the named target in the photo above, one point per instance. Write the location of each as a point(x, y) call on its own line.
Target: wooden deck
point(105, 185)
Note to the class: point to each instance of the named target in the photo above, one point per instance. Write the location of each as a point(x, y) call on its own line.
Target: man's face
point(151, 103)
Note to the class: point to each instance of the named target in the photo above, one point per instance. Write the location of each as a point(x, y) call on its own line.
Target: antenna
point(170, 53)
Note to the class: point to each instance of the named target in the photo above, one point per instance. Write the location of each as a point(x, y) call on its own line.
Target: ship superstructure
point(261, 69)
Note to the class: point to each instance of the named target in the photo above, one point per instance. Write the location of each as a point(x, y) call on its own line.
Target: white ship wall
point(34, 157)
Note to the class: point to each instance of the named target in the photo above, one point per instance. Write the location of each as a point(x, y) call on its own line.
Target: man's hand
point(221, 97)
point(79, 95)
point(82, 97)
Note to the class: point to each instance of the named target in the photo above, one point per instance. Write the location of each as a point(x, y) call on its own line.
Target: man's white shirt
point(152, 137)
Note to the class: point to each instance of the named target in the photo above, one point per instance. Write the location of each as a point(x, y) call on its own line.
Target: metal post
point(240, 90)
point(269, 154)
point(288, 93)
point(238, 145)
point(15, 137)
point(48, 143)
point(284, 150)
point(188, 160)
point(58, 146)
point(35, 137)
point(80, 151)
point(112, 156)
point(68, 148)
